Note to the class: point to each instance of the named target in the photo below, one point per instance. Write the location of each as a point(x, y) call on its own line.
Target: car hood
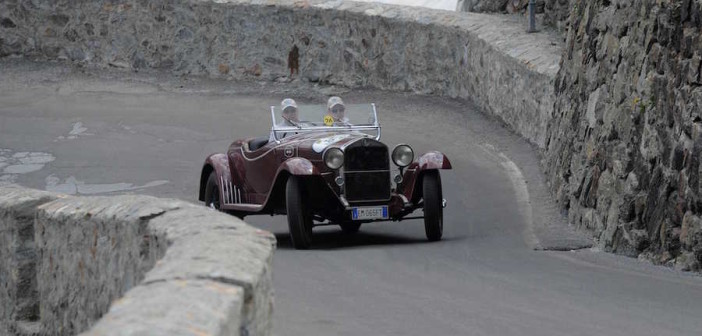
point(318, 142)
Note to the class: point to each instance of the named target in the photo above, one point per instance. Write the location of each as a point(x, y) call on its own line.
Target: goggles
point(337, 109)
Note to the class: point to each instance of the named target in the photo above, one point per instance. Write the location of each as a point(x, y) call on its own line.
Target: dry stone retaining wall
point(621, 147)
point(625, 147)
point(332, 42)
point(555, 12)
point(172, 267)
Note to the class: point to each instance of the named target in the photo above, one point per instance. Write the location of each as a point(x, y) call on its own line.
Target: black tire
point(433, 207)
point(212, 198)
point(350, 227)
point(299, 218)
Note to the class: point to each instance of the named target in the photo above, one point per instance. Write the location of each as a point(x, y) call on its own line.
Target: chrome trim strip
point(223, 189)
point(344, 202)
point(403, 198)
point(375, 114)
point(367, 171)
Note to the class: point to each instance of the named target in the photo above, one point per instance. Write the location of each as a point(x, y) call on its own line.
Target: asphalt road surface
point(105, 132)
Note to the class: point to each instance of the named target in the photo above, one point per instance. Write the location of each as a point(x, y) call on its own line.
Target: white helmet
point(287, 103)
point(333, 101)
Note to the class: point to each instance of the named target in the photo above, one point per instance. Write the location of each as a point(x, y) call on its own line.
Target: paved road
point(109, 132)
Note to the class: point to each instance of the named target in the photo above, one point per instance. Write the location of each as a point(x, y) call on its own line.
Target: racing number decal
point(328, 120)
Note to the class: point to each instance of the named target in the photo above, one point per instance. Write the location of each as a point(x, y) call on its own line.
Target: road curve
point(91, 132)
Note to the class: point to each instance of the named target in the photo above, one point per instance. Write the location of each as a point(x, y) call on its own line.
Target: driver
point(337, 110)
point(289, 115)
point(289, 108)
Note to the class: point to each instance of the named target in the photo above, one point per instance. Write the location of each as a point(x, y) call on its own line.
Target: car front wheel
point(212, 192)
point(299, 218)
point(433, 207)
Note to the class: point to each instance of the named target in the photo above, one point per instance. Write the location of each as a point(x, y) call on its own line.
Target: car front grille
point(367, 171)
point(370, 186)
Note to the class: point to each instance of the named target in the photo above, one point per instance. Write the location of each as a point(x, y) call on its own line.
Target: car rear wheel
point(299, 218)
point(351, 227)
point(433, 207)
point(212, 193)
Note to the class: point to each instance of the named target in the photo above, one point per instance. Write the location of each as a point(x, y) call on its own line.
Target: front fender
point(299, 166)
point(412, 178)
point(220, 165)
point(433, 160)
point(294, 166)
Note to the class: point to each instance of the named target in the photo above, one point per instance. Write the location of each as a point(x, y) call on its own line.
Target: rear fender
point(220, 165)
point(412, 178)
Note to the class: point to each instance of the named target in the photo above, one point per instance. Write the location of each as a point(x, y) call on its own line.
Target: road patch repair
point(162, 267)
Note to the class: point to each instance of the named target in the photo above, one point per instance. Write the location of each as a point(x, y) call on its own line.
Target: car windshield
point(356, 117)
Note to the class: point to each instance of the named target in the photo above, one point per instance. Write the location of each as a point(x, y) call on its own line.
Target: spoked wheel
point(433, 205)
point(212, 199)
point(350, 227)
point(299, 217)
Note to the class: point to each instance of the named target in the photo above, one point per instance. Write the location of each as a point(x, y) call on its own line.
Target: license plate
point(380, 212)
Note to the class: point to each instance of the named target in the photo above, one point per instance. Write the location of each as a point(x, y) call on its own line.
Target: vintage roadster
point(321, 172)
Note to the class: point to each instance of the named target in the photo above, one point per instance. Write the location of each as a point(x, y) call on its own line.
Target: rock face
point(623, 153)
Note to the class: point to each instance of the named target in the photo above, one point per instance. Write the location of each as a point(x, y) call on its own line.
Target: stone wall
point(555, 12)
point(482, 6)
point(97, 248)
point(19, 294)
point(622, 147)
point(175, 267)
point(331, 42)
point(624, 150)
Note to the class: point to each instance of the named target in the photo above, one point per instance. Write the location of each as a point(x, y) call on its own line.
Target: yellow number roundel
point(328, 120)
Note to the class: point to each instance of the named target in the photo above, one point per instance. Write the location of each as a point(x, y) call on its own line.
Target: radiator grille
point(371, 156)
point(368, 186)
point(367, 166)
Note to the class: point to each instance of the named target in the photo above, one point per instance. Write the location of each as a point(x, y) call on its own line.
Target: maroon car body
point(253, 174)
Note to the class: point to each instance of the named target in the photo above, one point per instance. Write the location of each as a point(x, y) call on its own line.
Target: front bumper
point(398, 207)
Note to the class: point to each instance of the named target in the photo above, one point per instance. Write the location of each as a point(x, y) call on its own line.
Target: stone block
point(178, 307)
point(91, 251)
point(19, 299)
point(66, 260)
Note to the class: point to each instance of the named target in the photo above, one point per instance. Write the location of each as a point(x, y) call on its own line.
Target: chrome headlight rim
point(402, 161)
point(333, 158)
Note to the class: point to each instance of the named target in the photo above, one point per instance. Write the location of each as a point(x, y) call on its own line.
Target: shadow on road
point(332, 240)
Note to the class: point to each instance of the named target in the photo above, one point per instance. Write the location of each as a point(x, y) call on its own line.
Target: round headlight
point(402, 155)
point(334, 158)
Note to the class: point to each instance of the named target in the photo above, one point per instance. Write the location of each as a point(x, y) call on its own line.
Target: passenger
point(289, 115)
point(337, 110)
